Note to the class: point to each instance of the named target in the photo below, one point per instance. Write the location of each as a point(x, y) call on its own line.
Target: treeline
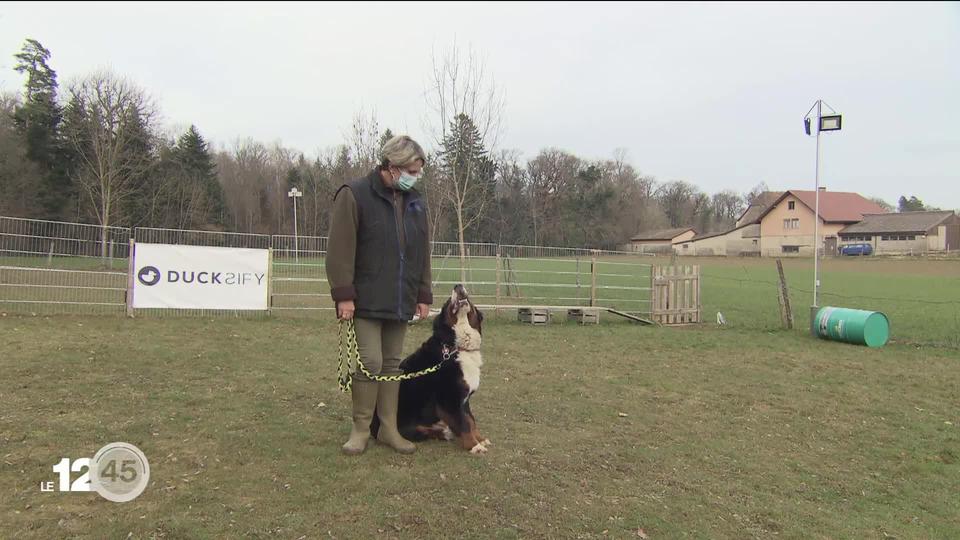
point(94, 152)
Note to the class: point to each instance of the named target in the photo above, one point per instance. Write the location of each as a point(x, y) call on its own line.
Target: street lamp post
point(830, 122)
point(295, 193)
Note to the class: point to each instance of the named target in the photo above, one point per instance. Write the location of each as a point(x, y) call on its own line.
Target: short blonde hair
point(401, 151)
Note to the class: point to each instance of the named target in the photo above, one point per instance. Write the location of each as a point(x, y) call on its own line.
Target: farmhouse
point(906, 232)
point(661, 240)
point(787, 226)
point(743, 239)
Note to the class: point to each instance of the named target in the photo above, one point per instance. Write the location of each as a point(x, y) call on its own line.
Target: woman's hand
point(345, 310)
point(423, 311)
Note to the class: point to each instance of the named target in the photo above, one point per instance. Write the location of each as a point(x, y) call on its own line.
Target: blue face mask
point(406, 181)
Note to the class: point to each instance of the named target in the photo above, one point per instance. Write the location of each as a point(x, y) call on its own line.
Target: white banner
point(199, 277)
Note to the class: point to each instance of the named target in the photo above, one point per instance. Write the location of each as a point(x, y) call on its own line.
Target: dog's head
point(461, 318)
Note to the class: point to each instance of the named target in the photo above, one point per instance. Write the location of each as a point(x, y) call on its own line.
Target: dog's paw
point(479, 448)
point(486, 442)
point(448, 434)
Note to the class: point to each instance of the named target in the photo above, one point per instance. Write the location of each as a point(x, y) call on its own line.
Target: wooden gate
point(675, 294)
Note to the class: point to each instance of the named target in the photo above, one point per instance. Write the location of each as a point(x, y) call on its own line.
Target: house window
point(789, 224)
point(754, 242)
point(791, 249)
point(686, 246)
point(885, 238)
point(791, 205)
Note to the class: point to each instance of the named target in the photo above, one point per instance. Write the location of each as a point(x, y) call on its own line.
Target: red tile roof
point(835, 206)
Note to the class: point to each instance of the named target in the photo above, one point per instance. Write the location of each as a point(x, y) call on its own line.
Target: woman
point(378, 267)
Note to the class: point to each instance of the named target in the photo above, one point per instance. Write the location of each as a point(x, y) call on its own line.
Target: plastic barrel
point(870, 328)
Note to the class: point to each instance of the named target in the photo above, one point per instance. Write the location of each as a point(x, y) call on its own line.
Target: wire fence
point(58, 267)
point(920, 297)
point(77, 268)
point(54, 243)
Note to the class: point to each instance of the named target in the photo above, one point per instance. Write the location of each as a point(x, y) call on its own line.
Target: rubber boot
point(364, 394)
point(387, 412)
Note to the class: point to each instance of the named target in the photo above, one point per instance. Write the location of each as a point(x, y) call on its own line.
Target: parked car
point(856, 249)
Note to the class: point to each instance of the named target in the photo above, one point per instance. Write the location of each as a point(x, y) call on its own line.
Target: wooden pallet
point(537, 316)
point(583, 316)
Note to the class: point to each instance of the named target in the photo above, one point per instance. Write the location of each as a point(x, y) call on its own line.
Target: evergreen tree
point(193, 156)
point(142, 149)
point(588, 208)
point(38, 121)
point(468, 175)
point(912, 204)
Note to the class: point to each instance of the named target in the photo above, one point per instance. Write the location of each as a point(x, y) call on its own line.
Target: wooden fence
point(675, 294)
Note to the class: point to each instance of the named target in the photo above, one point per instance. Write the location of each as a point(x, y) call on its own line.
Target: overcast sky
point(709, 93)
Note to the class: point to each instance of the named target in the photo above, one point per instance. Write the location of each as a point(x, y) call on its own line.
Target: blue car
point(856, 249)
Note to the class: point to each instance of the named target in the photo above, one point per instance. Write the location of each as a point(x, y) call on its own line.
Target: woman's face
point(412, 169)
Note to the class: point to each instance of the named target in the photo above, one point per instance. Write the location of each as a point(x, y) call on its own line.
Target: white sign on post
point(200, 277)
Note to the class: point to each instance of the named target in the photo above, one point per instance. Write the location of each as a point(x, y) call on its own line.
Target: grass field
point(609, 431)
point(599, 432)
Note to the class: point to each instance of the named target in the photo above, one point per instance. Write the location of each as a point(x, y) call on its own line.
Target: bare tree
point(637, 209)
point(727, 206)
point(677, 199)
point(108, 122)
point(758, 190)
point(281, 159)
point(364, 140)
point(549, 175)
point(436, 193)
point(887, 207)
point(460, 86)
point(244, 173)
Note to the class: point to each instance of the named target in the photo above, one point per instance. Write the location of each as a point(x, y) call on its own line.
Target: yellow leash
point(352, 361)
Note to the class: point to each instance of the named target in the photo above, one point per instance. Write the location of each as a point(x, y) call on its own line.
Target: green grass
point(598, 432)
point(920, 296)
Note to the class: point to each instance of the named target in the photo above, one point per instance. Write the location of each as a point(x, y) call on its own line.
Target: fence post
point(498, 276)
point(699, 299)
point(50, 256)
point(131, 270)
point(270, 280)
point(593, 278)
point(655, 304)
point(786, 312)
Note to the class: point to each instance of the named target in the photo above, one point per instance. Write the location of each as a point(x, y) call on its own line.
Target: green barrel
point(870, 328)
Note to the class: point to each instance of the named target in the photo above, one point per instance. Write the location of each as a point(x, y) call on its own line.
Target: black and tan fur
point(437, 406)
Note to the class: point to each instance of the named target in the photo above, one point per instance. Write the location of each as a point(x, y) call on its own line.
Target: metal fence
point(80, 268)
point(58, 267)
point(152, 235)
point(298, 280)
point(34, 242)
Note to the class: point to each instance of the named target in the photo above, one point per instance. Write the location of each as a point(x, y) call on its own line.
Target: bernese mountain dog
point(437, 406)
